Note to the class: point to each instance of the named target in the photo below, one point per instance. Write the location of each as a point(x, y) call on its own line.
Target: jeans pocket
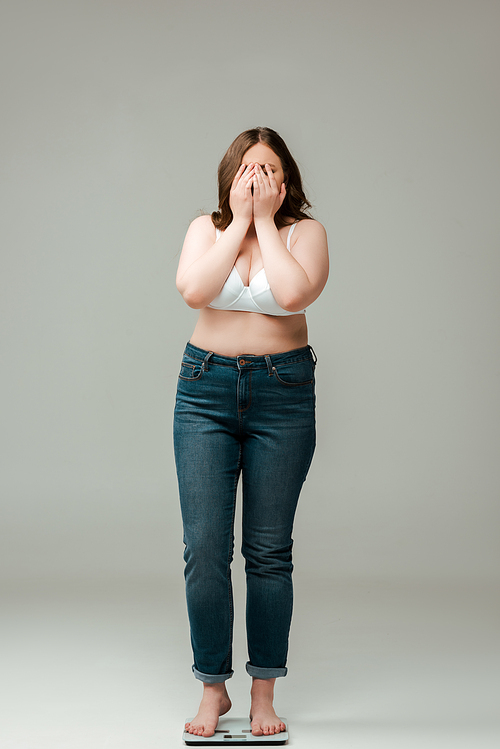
point(295, 373)
point(190, 371)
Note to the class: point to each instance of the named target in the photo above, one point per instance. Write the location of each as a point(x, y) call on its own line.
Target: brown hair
point(295, 201)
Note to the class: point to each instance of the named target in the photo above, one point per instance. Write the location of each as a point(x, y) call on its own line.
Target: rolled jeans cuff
point(265, 673)
point(212, 678)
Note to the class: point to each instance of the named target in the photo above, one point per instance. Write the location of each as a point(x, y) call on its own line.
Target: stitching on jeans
point(193, 367)
point(294, 360)
point(249, 393)
point(294, 384)
point(291, 384)
point(228, 573)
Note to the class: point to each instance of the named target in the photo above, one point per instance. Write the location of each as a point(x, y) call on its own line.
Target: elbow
point(293, 303)
point(297, 300)
point(194, 300)
point(193, 297)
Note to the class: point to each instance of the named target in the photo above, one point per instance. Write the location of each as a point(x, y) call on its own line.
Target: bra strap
point(217, 234)
point(290, 234)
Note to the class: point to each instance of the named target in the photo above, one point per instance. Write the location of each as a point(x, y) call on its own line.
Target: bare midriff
point(231, 333)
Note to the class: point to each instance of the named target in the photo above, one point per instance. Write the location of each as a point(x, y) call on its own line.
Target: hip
point(252, 389)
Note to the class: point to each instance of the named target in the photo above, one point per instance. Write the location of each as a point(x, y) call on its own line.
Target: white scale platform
point(235, 731)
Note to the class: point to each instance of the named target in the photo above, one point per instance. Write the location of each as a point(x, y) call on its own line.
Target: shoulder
point(199, 237)
point(202, 226)
point(310, 227)
point(310, 233)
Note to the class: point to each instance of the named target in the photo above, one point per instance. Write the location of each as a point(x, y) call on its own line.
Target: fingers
point(255, 182)
point(245, 172)
point(265, 183)
point(266, 178)
point(259, 174)
point(240, 195)
point(270, 174)
point(242, 184)
point(248, 175)
point(237, 176)
point(260, 183)
point(246, 179)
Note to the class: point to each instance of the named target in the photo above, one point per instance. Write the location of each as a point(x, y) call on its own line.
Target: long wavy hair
point(295, 203)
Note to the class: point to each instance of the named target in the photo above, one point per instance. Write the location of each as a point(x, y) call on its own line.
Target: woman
point(245, 403)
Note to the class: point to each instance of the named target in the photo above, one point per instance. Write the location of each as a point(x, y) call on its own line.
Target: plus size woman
point(245, 407)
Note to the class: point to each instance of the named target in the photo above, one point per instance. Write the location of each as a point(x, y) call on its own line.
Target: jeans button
point(242, 362)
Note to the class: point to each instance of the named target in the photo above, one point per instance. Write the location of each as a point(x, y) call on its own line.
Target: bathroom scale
point(235, 731)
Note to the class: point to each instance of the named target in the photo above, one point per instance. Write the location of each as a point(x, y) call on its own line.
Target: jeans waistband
point(250, 360)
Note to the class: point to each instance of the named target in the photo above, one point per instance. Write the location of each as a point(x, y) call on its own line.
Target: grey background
point(115, 116)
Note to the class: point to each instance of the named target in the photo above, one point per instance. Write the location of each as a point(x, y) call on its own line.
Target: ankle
point(215, 689)
point(262, 689)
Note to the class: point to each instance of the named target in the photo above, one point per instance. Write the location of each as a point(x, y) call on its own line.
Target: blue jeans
point(253, 415)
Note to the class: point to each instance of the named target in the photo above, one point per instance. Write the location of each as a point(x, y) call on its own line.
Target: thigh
point(277, 453)
point(208, 465)
point(207, 453)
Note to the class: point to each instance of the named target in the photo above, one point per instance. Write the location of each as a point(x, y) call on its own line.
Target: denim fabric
point(253, 415)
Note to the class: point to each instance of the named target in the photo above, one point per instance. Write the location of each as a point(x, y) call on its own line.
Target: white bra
point(256, 297)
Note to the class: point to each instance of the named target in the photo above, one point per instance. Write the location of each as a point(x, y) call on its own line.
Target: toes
point(257, 730)
point(205, 731)
point(266, 729)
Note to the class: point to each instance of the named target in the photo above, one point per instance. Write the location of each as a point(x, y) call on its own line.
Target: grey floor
point(86, 665)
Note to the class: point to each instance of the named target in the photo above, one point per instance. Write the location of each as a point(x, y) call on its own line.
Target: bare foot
point(263, 719)
point(214, 703)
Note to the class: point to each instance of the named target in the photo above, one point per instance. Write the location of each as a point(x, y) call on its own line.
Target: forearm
point(288, 280)
point(204, 278)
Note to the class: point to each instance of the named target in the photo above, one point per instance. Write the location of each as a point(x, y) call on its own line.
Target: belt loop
point(269, 364)
point(204, 366)
point(315, 358)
